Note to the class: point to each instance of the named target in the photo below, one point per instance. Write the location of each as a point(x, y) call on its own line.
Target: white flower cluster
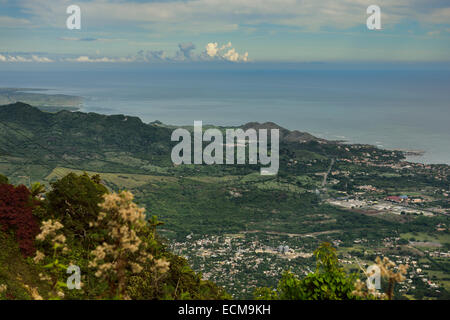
point(123, 249)
point(51, 230)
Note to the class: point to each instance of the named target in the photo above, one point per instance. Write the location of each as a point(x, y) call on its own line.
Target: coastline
point(77, 103)
point(41, 98)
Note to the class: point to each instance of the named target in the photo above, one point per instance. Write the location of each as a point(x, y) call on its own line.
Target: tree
point(124, 249)
point(74, 201)
point(37, 189)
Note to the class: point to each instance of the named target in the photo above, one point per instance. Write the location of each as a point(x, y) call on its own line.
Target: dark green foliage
point(180, 283)
point(72, 138)
point(74, 200)
point(198, 207)
point(207, 200)
point(15, 270)
point(3, 179)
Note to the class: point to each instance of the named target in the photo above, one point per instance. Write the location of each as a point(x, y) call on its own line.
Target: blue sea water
point(394, 109)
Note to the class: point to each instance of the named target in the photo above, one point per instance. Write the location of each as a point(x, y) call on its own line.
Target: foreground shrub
point(115, 249)
point(54, 248)
point(328, 282)
point(331, 282)
point(123, 250)
point(389, 272)
point(16, 214)
point(180, 282)
point(74, 201)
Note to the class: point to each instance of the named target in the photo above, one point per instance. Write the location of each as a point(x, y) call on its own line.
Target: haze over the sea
point(401, 108)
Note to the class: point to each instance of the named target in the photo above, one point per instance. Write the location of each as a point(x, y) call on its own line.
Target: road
point(325, 177)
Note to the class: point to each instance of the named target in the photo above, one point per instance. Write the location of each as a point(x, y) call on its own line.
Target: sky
point(235, 31)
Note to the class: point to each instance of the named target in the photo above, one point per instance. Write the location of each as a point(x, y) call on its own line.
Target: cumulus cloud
point(185, 53)
point(213, 52)
point(212, 49)
point(224, 52)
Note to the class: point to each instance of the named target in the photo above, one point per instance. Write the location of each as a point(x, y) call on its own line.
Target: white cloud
point(185, 53)
point(19, 58)
point(102, 59)
point(213, 51)
point(231, 55)
point(40, 59)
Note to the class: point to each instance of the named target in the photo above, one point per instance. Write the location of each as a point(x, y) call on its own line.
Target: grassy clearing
point(425, 237)
point(440, 276)
point(120, 180)
point(273, 185)
point(215, 180)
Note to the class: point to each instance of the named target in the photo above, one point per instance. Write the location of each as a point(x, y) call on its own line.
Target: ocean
point(392, 109)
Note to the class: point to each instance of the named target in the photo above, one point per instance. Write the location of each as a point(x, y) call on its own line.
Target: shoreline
point(411, 155)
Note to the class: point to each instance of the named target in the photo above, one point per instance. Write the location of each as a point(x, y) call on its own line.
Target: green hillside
point(229, 221)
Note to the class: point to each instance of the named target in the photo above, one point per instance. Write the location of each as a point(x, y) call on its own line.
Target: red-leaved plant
point(16, 213)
